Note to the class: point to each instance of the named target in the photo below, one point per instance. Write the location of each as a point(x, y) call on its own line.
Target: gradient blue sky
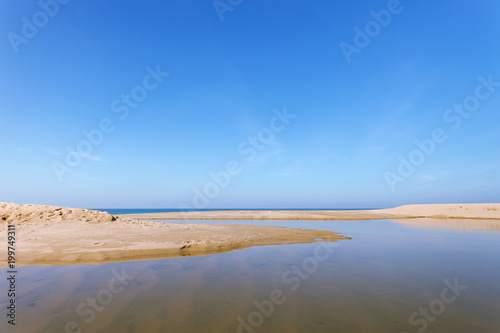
point(353, 120)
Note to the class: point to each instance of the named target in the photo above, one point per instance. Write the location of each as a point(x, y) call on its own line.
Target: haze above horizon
point(207, 104)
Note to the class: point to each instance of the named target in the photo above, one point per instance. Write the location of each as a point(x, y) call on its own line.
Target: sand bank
point(48, 235)
point(468, 211)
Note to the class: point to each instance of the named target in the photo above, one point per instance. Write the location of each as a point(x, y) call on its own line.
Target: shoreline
point(49, 235)
point(73, 242)
point(456, 211)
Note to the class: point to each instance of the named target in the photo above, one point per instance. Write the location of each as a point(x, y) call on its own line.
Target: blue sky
point(353, 117)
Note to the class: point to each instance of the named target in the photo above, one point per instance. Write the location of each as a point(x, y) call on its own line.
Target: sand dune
point(467, 211)
point(11, 212)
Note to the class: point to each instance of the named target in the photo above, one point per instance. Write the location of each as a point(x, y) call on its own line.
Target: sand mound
point(16, 213)
point(471, 211)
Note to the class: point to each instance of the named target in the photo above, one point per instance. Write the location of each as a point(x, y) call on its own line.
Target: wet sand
point(47, 235)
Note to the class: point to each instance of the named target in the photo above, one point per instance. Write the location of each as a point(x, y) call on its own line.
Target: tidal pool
point(392, 276)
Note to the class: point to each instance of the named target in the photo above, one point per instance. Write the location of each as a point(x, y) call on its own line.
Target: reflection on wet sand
point(462, 224)
point(374, 282)
point(357, 292)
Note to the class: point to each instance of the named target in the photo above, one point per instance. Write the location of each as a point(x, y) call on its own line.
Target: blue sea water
point(116, 211)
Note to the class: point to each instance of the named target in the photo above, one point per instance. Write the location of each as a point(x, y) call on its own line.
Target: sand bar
point(49, 235)
point(464, 211)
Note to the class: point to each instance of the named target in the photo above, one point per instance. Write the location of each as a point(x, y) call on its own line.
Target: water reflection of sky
point(373, 282)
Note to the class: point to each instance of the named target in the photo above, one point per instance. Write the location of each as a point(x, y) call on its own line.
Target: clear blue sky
point(355, 121)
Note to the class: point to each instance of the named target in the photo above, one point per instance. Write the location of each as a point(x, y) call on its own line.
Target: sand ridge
point(11, 212)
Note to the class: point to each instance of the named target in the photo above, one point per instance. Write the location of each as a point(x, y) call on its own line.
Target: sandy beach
point(49, 235)
point(459, 211)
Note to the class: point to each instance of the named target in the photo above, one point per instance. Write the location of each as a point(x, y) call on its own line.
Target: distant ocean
point(116, 211)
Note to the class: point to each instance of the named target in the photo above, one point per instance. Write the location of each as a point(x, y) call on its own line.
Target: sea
point(118, 211)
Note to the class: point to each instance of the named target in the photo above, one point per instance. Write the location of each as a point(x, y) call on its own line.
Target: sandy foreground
point(49, 235)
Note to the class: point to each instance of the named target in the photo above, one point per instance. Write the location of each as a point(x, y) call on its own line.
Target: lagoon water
point(390, 277)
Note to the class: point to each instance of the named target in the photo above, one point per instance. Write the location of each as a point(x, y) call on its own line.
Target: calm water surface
point(390, 277)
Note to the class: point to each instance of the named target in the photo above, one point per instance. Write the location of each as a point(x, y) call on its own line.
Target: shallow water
point(390, 277)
